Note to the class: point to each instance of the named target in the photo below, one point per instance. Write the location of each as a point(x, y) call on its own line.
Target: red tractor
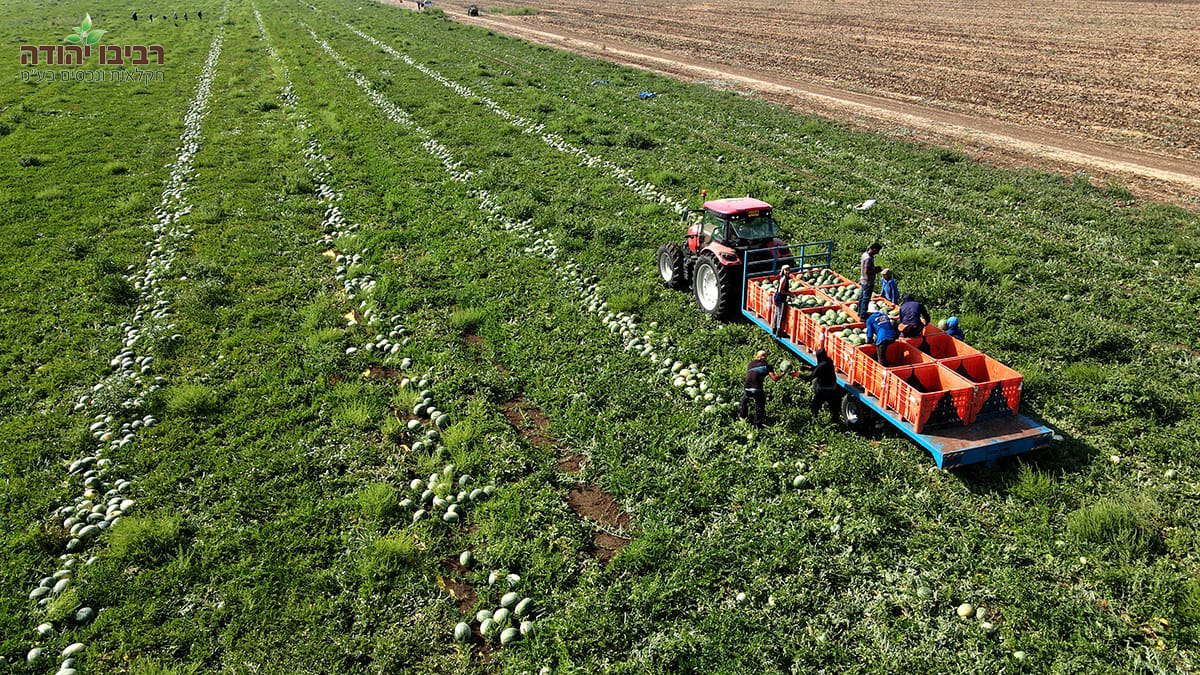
point(713, 259)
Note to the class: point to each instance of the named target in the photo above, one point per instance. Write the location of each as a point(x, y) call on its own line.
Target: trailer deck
point(981, 441)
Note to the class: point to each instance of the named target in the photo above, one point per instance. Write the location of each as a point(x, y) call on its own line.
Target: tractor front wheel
point(671, 266)
point(716, 287)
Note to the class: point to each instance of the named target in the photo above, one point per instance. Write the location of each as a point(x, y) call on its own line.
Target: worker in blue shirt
point(881, 329)
point(953, 329)
point(891, 292)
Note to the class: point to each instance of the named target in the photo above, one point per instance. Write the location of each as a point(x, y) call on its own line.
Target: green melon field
point(340, 348)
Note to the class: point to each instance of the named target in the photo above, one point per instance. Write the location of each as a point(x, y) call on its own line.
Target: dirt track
point(1056, 116)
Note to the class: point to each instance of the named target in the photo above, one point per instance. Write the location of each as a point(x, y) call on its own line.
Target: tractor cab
point(735, 223)
point(715, 249)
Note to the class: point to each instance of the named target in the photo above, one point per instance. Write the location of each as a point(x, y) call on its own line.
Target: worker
point(779, 301)
point(881, 329)
point(135, 16)
point(825, 386)
point(913, 317)
point(889, 289)
point(953, 329)
point(866, 277)
point(753, 389)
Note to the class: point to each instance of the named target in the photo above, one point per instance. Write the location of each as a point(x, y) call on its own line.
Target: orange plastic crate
point(841, 352)
point(999, 392)
point(869, 373)
point(929, 395)
point(941, 346)
point(829, 290)
point(811, 333)
point(754, 299)
point(843, 281)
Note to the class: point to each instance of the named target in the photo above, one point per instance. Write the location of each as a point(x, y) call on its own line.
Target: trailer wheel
point(856, 415)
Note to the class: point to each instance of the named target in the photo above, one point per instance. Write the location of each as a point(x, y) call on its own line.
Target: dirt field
point(1100, 76)
point(1127, 72)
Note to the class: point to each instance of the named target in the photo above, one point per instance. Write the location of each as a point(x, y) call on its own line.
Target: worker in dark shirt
point(881, 329)
point(753, 390)
point(825, 386)
point(913, 317)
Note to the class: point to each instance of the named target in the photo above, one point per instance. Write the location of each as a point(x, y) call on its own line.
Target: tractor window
point(712, 227)
point(757, 226)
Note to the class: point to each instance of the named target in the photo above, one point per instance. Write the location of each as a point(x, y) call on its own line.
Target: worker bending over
point(953, 329)
point(881, 329)
point(825, 386)
point(913, 317)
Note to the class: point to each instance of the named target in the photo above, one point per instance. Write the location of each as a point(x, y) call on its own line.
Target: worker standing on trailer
point(866, 277)
point(779, 301)
point(753, 389)
point(825, 386)
point(881, 329)
point(913, 317)
point(888, 287)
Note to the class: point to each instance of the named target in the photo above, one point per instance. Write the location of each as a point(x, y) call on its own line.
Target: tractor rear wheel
point(716, 287)
point(671, 266)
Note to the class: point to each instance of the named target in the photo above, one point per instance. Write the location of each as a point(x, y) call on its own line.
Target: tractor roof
point(735, 205)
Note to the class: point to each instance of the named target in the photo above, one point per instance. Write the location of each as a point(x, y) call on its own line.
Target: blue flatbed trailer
point(981, 441)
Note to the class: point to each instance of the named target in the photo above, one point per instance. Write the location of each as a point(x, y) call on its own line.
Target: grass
point(1115, 525)
point(512, 11)
point(147, 541)
point(467, 319)
point(191, 400)
point(268, 498)
point(379, 504)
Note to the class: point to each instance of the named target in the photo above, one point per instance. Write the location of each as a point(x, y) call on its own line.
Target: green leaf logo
point(84, 33)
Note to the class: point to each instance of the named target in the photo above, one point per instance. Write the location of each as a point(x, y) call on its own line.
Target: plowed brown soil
point(1112, 86)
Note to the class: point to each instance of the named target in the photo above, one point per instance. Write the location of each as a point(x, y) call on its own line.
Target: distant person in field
point(825, 386)
point(199, 15)
point(881, 329)
point(888, 287)
point(753, 390)
point(866, 277)
point(779, 301)
point(135, 16)
point(953, 329)
point(913, 317)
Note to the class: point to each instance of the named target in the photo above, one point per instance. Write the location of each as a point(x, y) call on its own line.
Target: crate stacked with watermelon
point(931, 381)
